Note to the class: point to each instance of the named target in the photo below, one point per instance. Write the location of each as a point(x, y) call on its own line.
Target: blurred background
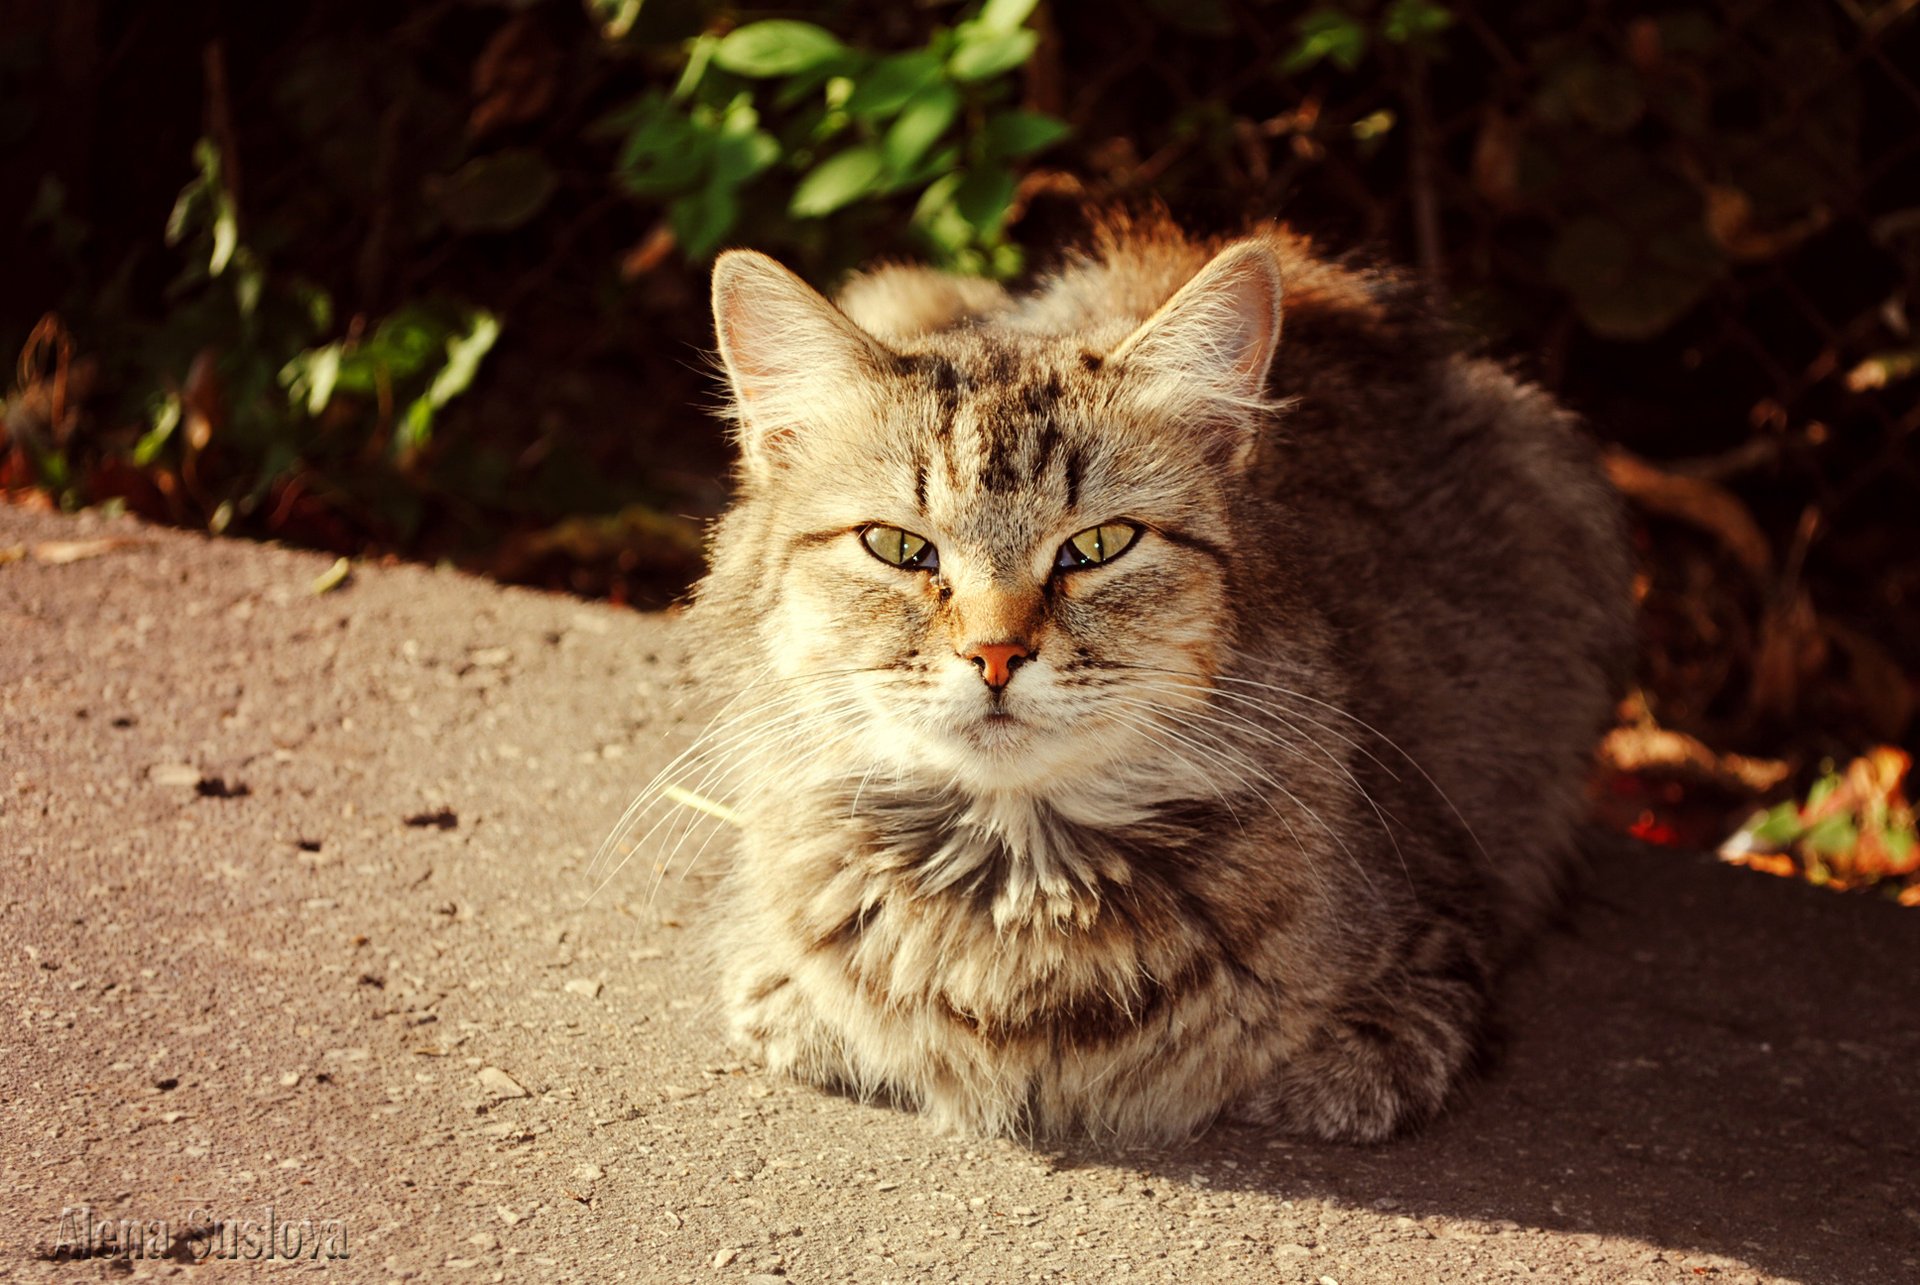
point(426, 280)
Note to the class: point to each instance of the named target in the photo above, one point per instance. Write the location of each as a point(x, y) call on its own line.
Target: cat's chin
point(995, 749)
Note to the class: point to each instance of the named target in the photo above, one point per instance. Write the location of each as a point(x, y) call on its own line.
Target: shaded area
point(1701, 1058)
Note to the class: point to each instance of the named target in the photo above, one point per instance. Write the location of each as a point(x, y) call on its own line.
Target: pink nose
point(997, 661)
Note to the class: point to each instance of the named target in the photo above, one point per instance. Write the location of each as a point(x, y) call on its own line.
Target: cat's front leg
point(1377, 1065)
point(771, 1021)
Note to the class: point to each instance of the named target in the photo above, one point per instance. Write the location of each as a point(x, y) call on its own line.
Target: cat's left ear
point(1206, 353)
point(790, 355)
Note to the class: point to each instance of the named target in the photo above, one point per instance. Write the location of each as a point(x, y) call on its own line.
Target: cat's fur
point(1280, 783)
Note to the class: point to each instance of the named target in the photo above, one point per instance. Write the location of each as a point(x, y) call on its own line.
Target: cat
point(1136, 716)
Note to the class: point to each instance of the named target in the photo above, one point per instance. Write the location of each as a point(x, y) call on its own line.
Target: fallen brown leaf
point(1642, 745)
point(514, 77)
point(1697, 502)
point(58, 553)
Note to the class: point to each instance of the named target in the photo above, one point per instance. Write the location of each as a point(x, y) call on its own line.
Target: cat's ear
point(790, 355)
point(1206, 353)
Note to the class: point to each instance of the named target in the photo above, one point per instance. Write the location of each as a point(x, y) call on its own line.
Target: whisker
point(716, 758)
point(1266, 735)
point(698, 747)
point(1221, 756)
point(1386, 740)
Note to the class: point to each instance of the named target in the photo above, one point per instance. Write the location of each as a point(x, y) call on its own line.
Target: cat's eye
point(900, 548)
point(1095, 545)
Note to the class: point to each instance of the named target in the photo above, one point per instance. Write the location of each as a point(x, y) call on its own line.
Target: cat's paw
point(772, 1023)
point(1366, 1076)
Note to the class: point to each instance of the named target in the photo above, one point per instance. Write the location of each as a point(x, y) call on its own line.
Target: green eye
point(900, 548)
point(1096, 544)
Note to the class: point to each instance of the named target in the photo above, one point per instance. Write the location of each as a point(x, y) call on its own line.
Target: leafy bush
point(778, 124)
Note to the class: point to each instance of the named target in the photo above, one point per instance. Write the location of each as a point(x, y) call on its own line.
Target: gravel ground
point(295, 916)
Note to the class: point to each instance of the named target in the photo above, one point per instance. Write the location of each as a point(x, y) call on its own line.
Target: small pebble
point(584, 986)
point(500, 1084)
point(174, 775)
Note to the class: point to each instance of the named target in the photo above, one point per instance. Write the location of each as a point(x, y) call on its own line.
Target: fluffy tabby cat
point(1138, 717)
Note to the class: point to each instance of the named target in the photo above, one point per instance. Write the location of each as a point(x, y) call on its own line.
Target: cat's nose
point(997, 661)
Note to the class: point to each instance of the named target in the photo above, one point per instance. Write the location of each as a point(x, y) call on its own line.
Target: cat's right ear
point(790, 354)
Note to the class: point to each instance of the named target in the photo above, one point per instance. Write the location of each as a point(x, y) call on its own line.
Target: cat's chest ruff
point(1014, 861)
point(1003, 916)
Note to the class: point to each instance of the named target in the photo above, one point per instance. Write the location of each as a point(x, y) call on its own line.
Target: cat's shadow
point(1702, 1058)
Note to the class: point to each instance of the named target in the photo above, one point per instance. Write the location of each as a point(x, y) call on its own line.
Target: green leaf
point(983, 53)
point(494, 193)
point(699, 56)
point(982, 199)
point(1777, 828)
point(838, 180)
point(165, 418)
point(892, 81)
point(742, 149)
point(226, 236)
point(702, 220)
point(1019, 133)
point(416, 426)
point(1005, 15)
point(249, 283)
point(665, 151)
point(1832, 836)
point(1327, 35)
point(464, 352)
point(920, 125)
point(1408, 21)
point(464, 355)
point(777, 47)
point(311, 377)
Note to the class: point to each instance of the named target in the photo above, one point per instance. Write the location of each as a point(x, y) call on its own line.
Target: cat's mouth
point(997, 730)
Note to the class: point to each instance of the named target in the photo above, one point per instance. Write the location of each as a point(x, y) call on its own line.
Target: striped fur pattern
point(1249, 831)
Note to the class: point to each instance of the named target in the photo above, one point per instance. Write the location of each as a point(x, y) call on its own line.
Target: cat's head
point(994, 552)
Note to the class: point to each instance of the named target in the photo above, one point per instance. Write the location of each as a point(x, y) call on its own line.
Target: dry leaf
point(333, 577)
point(1643, 746)
point(1697, 502)
point(58, 553)
point(514, 77)
point(1730, 222)
point(1791, 655)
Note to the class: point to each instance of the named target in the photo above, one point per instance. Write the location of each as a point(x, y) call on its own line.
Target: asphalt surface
point(297, 923)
